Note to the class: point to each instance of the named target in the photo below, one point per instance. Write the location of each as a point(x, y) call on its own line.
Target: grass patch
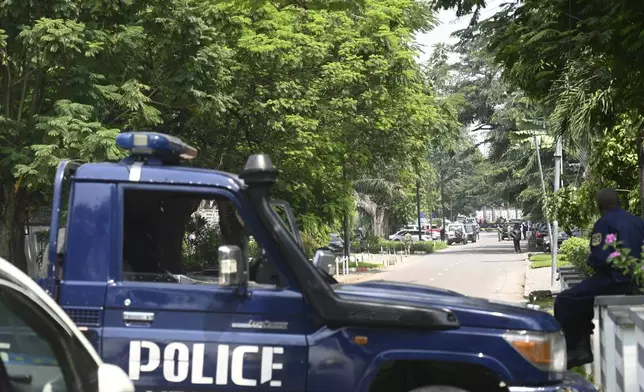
point(439, 245)
point(545, 260)
point(362, 264)
point(546, 303)
point(580, 370)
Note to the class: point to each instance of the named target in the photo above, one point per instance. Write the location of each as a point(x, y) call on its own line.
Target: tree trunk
point(347, 234)
point(379, 220)
point(12, 227)
point(385, 222)
point(442, 201)
point(640, 166)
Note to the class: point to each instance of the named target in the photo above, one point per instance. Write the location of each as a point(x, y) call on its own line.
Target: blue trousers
point(574, 307)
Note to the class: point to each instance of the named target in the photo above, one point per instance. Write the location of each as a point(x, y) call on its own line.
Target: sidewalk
point(538, 279)
point(400, 260)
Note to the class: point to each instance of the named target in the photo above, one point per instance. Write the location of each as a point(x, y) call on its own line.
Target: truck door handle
point(138, 317)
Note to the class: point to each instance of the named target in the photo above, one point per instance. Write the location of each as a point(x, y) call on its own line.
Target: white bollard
point(637, 316)
point(346, 265)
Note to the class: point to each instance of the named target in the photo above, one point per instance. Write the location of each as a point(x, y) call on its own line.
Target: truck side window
point(173, 237)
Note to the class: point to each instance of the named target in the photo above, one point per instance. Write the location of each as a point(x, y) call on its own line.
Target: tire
point(438, 388)
point(449, 243)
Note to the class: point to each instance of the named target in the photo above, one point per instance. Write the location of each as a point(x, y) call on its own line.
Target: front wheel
point(438, 388)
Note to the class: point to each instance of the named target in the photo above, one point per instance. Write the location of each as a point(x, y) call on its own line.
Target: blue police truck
point(192, 280)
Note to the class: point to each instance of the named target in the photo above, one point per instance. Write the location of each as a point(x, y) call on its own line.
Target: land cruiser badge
point(280, 325)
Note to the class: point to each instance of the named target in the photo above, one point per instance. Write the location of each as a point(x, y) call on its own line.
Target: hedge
point(576, 250)
point(399, 246)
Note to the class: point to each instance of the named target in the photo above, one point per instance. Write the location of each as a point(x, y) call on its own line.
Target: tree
point(581, 60)
point(330, 91)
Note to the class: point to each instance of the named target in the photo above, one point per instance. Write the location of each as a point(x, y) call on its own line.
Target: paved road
point(487, 268)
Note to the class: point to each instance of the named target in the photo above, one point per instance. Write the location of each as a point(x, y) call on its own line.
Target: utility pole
point(554, 240)
point(553, 276)
point(420, 231)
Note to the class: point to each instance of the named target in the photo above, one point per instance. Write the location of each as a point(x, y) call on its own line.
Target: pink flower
point(614, 254)
point(642, 267)
point(611, 238)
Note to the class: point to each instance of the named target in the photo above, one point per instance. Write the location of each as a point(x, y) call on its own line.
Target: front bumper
point(572, 382)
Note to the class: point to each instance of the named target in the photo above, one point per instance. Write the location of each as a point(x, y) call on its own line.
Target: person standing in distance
point(574, 306)
point(516, 237)
point(408, 240)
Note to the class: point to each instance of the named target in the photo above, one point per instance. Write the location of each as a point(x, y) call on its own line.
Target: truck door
point(172, 325)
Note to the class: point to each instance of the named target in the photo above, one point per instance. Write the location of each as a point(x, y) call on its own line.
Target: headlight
point(547, 351)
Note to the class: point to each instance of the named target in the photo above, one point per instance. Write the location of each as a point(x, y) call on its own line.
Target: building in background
point(492, 214)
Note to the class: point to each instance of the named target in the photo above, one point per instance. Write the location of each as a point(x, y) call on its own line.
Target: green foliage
point(311, 244)
point(362, 264)
point(332, 91)
point(200, 245)
point(576, 251)
point(624, 259)
point(253, 248)
point(577, 61)
point(545, 260)
point(569, 208)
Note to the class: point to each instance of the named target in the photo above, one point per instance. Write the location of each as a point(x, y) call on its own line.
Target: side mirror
point(112, 378)
point(325, 259)
point(232, 267)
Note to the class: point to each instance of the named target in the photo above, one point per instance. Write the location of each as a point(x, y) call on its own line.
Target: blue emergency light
point(152, 143)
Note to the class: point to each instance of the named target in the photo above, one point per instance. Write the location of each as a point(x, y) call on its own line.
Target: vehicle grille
point(90, 317)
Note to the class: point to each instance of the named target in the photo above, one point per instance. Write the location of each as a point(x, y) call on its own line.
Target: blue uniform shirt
point(629, 230)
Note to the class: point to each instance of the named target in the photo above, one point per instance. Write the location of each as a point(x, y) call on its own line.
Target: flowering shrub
point(623, 259)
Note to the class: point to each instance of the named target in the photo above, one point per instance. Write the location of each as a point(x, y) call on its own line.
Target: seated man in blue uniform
point(574, 307)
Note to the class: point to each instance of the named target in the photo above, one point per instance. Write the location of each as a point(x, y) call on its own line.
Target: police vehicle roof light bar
point(152, 143)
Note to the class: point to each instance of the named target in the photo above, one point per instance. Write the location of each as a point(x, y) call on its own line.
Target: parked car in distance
point(435, 232)
point(504, 231)
point(546, 241)
point(540, 233)
point(470, 230)
point(456, 234)
point(336, 244)
point(41, 349)
point(400, 236)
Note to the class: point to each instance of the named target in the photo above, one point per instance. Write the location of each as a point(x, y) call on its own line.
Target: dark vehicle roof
point(120, 172)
